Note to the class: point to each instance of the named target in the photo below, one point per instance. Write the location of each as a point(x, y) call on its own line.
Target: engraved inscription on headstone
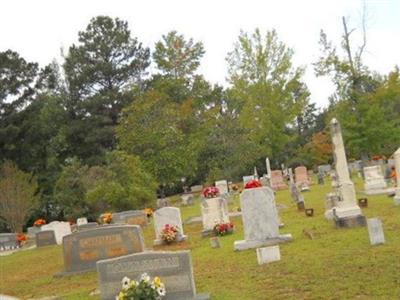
point(174, 269)
point(83, 248)
point(8, 241)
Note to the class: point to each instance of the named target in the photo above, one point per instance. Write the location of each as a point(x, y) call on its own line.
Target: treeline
point(101, 132)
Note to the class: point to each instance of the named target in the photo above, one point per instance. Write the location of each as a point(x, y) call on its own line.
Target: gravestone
point(196, 188)
point(397, 166)
point(83, 249)
point(375, 231)
point(8, 241)
point(187, 199)
point(174, 269)
point(346, 212)
point(277, 181)
point(247, 178)
point(214, 242)
point(45, 238)
point(89, 225)
point(130, 217)
point(260, 219)
point(302, 179)
point(320, 179)
point(222, 186)
point(324, 169)
point(61, 229)
point(170, 216)
point(213, 211)
point(32, 231)
point(162, 202)
point(268, 254)
point(297, 197)
point(374, 180)
point(81, 221)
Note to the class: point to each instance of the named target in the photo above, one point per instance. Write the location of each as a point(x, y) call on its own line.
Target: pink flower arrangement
point(210, 192)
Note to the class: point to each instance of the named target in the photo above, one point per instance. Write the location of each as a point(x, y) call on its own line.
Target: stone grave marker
point(83, 249)
point(170, 216)
point(277, 181)
point(260, 219)
point(187, 199)
point(32, 231)
point(302, 179)
point(374, 180)
point(268, 254)
point(8, 241)
point(162, 202)
point(214, 242)
point(174, 269)
point(375, 231)
point(196, 188)
point(396, 197)
point(222, 186)
point(213, 211)
point(89, 225)
point(81, 221)
point(61, 229)
point(130, 217)
point(45, 238)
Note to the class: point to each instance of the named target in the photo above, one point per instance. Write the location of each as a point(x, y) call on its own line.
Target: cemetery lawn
point(335, 264)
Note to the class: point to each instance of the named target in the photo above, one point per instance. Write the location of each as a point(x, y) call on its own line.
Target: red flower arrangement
point(210, 192)
point(39, 222)
point(21, 238)
point(376, 157)
point(252, 184)
point(223, 228)
point(169, 234)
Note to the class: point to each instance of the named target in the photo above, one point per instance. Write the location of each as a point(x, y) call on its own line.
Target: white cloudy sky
point(38, 29)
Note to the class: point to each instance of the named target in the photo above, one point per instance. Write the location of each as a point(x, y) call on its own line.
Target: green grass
point(336, 264)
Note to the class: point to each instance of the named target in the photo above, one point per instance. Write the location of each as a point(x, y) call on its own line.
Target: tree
point(177, 57)
point(18, 195)
point(269, 88)
point(102, 73)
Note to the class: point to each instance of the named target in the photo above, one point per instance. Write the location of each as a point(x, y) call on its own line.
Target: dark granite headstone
point(174, 269)
point(83, 249)
point(8, 241)
point(45, 238)
point(90, 225)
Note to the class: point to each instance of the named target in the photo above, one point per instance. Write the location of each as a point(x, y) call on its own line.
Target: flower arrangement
point(210, 192)
point(106, 218)
point(21, 239)
point(252, 184)
point(149, 212)
point(144, 289)
point(223, 228)
point(39, 222)
point(234, 187)
point(169, 234)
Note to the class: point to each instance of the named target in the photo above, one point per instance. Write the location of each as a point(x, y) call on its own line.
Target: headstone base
point(244, 245)
point(350, 222)
point(202, 297)
point(379, 191)
point(396, 200)
point(159, 242)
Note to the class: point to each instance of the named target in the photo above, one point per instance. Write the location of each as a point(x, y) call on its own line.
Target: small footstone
point(214, 241)
point(268, 254)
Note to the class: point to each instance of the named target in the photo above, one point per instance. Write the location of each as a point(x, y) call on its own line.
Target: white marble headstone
point(81, 221)
point(260, 219)
point(268, 254)
point(60, 229)
point(213, 211)
point(222, 186)
point(164, 216)
point(374, 178)
point(375, 231)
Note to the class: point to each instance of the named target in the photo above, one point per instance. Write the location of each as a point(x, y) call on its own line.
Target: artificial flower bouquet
point(222, 229)
point(149, 212)
point(144, 289)
point(39, 222)
point(253, 184)
point(169, 234)
point(106, 218)
point(211, 192)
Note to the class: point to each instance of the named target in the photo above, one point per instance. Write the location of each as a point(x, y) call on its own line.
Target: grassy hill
point(336, 264)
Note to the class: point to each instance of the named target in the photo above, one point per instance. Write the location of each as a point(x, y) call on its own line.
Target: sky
point(38, 29)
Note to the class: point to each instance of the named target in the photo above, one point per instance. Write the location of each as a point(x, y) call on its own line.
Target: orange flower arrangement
point(21, 238)
point(149, 212)
point(106, 218)
point(39, 222)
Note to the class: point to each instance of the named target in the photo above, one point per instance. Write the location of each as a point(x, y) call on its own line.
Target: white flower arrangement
point(144, 289)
